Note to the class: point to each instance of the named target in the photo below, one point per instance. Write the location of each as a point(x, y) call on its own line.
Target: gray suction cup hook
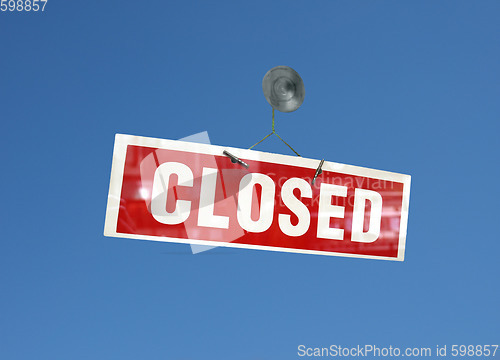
point(284, 91)
point(283, 88)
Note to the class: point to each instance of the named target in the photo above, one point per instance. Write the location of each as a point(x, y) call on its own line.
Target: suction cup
point(283, 89)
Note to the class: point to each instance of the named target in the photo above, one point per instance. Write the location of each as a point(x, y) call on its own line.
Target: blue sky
point(409, 87)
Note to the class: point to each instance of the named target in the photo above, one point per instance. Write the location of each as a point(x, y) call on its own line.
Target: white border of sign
point(117, 169)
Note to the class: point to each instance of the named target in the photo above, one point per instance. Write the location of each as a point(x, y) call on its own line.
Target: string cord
point(279, 137)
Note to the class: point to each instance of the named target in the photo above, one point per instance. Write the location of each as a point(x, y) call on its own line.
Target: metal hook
point(235, 160)
point(318, 171)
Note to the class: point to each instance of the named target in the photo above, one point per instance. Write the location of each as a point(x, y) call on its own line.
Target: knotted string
point(274, 132)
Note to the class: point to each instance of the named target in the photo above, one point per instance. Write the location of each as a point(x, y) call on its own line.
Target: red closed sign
point(185, 192)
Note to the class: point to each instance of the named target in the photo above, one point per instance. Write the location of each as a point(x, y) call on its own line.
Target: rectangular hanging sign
point(175, 191)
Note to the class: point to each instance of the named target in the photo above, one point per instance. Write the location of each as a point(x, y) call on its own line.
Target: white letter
point(160, 189)
point(244, 212)
point(206, 215)
point(327, 210)
point(358, 216)
point(301, 351)
point(296, 206)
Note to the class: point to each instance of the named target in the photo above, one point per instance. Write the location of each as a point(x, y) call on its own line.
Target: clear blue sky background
point(404, 86)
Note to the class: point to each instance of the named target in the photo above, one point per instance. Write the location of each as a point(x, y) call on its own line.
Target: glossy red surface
point(135, 216)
